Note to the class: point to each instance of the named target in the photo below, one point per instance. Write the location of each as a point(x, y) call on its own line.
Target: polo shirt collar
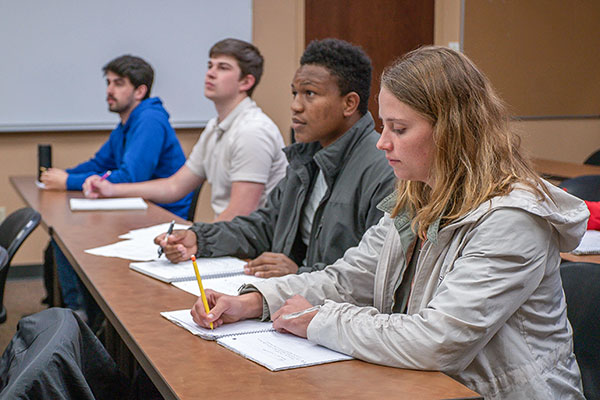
point(224, 125)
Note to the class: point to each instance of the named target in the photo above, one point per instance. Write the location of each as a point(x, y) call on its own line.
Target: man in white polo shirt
point(239, 152)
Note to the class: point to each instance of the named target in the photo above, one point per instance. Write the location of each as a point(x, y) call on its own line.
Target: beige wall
point(563, 140)
point(279, 33)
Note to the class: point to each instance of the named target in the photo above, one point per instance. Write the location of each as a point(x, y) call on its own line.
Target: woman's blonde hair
point(477, 156)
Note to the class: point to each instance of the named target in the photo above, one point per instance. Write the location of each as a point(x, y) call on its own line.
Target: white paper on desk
point(136, 250)
point(208, 268)
point(590, 244)
point(259, 342)
point(128, 203)
point(151, 232)
point(40, 185)
point(228, 285)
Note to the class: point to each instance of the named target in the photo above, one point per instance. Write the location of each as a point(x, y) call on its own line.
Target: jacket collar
point(330, 159)
point(404, 218)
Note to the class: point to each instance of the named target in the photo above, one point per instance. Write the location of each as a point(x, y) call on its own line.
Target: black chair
point(13, 231)
point(192, 212)
point(586, 187)
point(3, 258)
point(594, 159)
point(581, 283)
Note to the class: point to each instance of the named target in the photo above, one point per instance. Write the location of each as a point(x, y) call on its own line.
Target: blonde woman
point(461, 275)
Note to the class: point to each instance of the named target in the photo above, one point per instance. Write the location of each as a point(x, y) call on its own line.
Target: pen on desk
point(202, 294)
point(300, 313)
point(169, 231)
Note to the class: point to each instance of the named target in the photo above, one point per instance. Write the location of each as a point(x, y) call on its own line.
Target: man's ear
point(247, 82)
point(140, 92)
point(351, 102)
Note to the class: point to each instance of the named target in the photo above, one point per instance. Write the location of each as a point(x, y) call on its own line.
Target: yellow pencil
point(202, 294)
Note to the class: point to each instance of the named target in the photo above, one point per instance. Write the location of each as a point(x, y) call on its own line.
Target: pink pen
point(106, 175)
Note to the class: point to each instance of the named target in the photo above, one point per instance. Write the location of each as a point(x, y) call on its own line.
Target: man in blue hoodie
point(142, 147)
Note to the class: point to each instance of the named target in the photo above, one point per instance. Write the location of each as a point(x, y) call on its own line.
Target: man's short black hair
point(136, 69)
point(349, 63)
point(248, 57)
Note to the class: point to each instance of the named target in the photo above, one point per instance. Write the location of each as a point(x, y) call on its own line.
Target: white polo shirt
point(245, 146)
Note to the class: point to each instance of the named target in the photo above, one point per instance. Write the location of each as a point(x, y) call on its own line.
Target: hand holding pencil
point(202, 294)
point(90, 186)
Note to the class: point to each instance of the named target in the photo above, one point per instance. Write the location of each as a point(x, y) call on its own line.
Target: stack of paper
point(150, 232)
point(139, 245)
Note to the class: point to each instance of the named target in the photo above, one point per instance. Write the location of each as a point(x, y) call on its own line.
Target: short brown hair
point(137, 70)
point(246, 54)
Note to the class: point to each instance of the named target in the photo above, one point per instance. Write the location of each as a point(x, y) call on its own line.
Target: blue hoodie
point(145, 148)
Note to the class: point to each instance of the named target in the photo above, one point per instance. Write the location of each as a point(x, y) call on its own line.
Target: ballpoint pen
point(202, 294)
point(300, 313)
point(169, 231)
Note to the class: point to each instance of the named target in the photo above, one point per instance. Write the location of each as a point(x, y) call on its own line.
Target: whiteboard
point(52, 54)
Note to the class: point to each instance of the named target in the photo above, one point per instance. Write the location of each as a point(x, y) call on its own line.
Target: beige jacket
point(486, 307)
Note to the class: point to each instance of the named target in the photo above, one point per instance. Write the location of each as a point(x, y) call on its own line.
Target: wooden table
point(591, 258)
point(559, 170)
point(180, 364)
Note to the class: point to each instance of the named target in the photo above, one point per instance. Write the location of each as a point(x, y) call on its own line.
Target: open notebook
point(217, 267)
point(259, 342)
point(128, 203)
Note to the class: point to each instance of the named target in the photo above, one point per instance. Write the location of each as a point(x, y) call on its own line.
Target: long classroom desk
point(559, 170)
point(181, 365)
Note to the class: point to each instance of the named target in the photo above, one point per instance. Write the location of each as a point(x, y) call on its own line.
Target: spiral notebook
point(259, 342)
point(164, 270)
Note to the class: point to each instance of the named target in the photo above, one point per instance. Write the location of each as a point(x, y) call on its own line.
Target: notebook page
point(128, 203)
point(278, 351)
point(136, 250)
point(164, 270)
point(590, 243)
point(228, 285)
point(183, 318)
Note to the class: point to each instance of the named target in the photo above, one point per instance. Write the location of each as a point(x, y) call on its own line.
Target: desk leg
point(119, 351)
point(56, 293)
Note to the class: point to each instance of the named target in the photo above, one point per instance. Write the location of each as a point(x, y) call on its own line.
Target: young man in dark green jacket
point(334, 180)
